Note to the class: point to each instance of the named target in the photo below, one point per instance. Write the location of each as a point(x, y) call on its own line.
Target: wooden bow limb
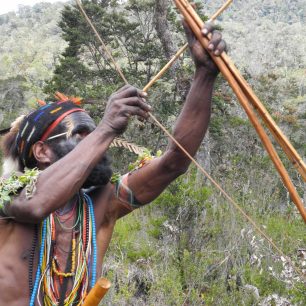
point(243, 99)
point(221, 10)
point(281, 139)
point(166, 67)
point(97, 293)
point(183, 49)
point(225, 194)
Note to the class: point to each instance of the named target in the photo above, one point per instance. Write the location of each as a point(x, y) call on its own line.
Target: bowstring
point(204, 172)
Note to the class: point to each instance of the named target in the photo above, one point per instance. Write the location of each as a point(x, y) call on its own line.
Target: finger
point(129, 111)
point(130, 91)
point(220, 48)
point(139, 102)
point(215, 40)
point(208, 28)
point(120, 90)
point(123, 88)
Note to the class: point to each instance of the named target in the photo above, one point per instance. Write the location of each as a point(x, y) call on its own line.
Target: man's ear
point(43, 153)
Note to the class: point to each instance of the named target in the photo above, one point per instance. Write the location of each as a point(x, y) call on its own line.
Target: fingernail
point(217, 52)
point(144, 93)
point(204, 31)
point(211, 47)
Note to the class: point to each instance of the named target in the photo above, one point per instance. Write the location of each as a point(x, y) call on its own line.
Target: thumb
point(189, 34)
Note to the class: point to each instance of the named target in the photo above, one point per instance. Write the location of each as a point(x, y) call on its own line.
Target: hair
point(27, 130)
point(11, 161)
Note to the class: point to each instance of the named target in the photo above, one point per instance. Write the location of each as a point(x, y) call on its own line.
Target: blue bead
point(38, 272)
point(94, 240)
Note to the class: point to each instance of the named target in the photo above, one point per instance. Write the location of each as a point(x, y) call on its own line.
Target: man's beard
point(100, 174)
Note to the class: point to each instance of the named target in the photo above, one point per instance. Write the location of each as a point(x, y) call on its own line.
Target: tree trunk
point(163, 31)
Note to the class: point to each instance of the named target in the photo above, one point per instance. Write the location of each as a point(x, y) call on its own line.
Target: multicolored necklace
point(83, 259)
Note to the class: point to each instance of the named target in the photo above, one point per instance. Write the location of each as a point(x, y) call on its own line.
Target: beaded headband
point(39, 124)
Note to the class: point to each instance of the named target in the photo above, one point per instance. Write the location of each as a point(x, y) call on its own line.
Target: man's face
point(78, 125)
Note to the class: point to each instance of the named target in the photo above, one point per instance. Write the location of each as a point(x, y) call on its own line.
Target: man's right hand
point(126, 102)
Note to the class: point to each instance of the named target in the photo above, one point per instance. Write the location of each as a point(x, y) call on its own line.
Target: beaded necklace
point(83, 259)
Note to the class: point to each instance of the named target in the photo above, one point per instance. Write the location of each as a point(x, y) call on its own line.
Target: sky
point(11, 5)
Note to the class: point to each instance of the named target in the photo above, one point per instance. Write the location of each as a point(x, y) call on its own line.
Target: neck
point(68, 206)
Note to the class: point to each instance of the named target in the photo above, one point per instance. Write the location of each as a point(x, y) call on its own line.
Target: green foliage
point(303, 116)
point(237, 121)
point(127, 30)
point(126, 236)
point(142, 159)
point(11, 185)
point(30, 43)
point(85, 70)
point(180, 257)
point(280, 229)
point(298, 294)
point(155, 229)
point(266, 282)
point(216, 126)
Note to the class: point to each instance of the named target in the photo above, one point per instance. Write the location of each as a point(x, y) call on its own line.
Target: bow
point(245, 95)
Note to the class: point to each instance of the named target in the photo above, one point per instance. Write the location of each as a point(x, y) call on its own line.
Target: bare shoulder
point(6, 226)
point(108, 207)
point(105, 210)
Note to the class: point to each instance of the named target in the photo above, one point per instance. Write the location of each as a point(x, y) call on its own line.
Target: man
point(53, 236)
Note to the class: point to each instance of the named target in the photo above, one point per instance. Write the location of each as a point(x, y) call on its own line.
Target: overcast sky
point(11, 5)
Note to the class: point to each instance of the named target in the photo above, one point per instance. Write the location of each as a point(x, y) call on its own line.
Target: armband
point(125, 194)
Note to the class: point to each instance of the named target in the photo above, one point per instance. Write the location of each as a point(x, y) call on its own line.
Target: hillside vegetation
point(30, 44)
point(190, 247)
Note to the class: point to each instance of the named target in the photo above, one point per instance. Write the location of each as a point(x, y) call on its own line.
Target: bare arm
point(148, 182)
point(58, 183)
point(61, 180)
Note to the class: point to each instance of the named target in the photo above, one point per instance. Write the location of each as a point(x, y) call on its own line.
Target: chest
point(65, 243)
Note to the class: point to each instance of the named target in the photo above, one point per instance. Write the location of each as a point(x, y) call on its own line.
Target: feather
point(9, 166)
point(41, 102)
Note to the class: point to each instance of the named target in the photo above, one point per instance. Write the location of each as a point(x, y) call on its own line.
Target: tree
point(128, 30)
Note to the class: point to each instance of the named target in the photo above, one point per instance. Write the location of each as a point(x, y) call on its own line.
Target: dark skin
point(62, 179)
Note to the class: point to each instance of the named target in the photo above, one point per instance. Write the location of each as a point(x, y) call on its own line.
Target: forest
point(191, 246)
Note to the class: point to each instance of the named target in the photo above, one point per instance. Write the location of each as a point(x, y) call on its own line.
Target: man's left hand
point(200, 56)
